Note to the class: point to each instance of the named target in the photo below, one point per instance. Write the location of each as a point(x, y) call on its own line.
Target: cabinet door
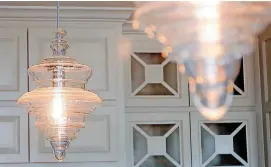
point(232, 141)
point(265, 78)
point(150, 78)
point(13, 64)
point(95, 47)
point(244, 84)
point(14, 135)
point(98, 141)
point(158, 139)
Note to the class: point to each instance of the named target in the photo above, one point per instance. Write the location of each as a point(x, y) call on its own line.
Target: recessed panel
point(13, 64)
point(14, 135)
point(151, 78)
point(93, 138)
point(158, 139)
point(9, 143)
point(98, 141)
point(9, 64)
point(90, 46)
point(92, 52)
point(156, 143)
point(230, 141)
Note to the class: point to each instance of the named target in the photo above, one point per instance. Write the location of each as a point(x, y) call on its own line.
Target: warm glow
point(209, 26)
point(207, 36)
point(58, 109)
point(181, 68)
point(207, 9)
point(208, 13)
point(213, 98)
point(213, 114)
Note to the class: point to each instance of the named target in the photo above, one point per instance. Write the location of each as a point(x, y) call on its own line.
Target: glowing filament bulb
point(58, 109)
point(207, 14)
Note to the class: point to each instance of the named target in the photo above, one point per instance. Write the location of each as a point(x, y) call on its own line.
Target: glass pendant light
point(208, 38)
point(60, 102)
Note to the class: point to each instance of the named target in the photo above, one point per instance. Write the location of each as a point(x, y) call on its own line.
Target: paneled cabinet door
point(150, 78)
point(231, 141)
point(14, 135)
point(244, 84)
point(98, 141)
point(92, 46)
point(13, 64)
point(265, 77)
point(158, 139)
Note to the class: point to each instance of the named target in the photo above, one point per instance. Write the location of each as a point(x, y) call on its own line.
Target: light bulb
point(58, 109)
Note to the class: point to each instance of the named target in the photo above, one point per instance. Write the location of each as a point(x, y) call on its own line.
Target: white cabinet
point(14, 135)
point(158, 139)
point(98, 141)
point(163, 139)
point(13, 64)
point(231, 141)
point(92, 46)
point(151, 79)
point(244, 84)
point(150, 82)
point(265, 78)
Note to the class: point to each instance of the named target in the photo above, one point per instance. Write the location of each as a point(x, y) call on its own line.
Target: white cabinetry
point(158, 139)
point(13, 64)
point(163, 139)
point(150, 78)
point(14, 135)
point(231, 141)
point(98, 141)
point(160, 124)
point(158, 107)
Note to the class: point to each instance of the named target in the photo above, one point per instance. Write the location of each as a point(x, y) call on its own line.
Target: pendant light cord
point(57, 14)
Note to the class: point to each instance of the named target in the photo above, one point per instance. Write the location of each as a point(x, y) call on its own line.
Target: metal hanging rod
point(57, 14)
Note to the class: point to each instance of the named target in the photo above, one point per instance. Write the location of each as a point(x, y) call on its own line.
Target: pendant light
point(208, 38)
point(60, 102)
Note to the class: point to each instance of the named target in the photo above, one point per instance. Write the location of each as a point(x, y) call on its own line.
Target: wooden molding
point(39, 13)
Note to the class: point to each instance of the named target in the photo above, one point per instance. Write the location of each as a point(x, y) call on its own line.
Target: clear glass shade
point(60, 102)
point(208, 38)
point(211, 86)
point(196, 30)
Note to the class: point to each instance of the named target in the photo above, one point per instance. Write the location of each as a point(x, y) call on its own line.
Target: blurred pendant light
point(60, 102)
point(208, 38)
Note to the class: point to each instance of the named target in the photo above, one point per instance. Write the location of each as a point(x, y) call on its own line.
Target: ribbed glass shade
point(211, 86)
point(60, 102)
point(204, 29)
point(207, 38)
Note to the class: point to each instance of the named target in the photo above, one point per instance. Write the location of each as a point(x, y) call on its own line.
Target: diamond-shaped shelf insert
point(163, 145)
point(154, 74)
point(224, 144)
point(156, 146)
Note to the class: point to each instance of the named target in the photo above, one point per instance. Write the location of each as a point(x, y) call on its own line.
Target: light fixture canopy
point(60, 102)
